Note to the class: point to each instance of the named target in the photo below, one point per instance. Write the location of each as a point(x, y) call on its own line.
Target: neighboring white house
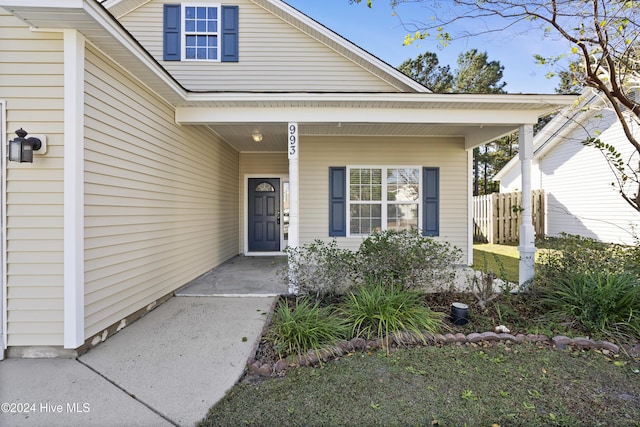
point(178, 134)
point(577, 179)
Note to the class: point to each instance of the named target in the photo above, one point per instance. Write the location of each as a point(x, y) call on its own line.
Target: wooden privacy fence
point(497, 217)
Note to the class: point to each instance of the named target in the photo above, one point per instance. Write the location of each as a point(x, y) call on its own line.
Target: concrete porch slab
point(240, 276)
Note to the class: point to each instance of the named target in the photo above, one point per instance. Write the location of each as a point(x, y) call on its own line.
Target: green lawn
point(517, 385)
point(497, 258)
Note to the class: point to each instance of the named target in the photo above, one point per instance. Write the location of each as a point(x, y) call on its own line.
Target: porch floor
point(240, 276)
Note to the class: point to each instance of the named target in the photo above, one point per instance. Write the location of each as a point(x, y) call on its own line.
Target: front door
point(264, 214)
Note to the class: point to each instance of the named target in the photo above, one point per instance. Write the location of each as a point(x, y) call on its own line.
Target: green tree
point(604, 39)
point(476, 74)
point(425, 70)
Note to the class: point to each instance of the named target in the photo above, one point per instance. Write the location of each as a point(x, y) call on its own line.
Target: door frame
point(245, 212)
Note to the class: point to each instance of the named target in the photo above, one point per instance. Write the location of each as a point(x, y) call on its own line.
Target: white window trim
point(183, 32)
point(383, 202)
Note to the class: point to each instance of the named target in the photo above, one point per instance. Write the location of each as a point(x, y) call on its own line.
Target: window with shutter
point(200, 32)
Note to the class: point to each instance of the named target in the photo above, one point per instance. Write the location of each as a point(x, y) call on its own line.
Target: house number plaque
point(293, 141)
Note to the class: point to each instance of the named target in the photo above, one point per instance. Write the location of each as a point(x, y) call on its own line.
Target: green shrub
point(562, 257)
point(303, 327)
point(406, 258)
point(319, 268)
point(380, 310)
point(599, 302)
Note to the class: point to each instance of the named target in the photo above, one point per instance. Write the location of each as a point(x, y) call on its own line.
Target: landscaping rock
point(561, 342)
point(507, 337)
point(520, 338)
point(265, 370)
point(584, 342)
point(537, 338)
point(489, 336)
point(281, 365)
point(460, 337)
point(254, 367)
point(358, 343)
point(474, 337)
point(449, 338)
point(609, 346)
point(439, 338)
point(346, 346)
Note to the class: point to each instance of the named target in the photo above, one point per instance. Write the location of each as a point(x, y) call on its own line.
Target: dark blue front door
point(264, 214)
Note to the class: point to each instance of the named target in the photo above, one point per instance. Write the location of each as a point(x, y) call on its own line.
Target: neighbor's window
point(383, 198)
point(201, 32)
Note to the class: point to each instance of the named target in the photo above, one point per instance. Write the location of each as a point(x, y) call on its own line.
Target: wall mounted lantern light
point(21, 148)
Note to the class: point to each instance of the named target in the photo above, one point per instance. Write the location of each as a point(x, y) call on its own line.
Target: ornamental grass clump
point(304, 326)
point(606, 303)
point(380, 310)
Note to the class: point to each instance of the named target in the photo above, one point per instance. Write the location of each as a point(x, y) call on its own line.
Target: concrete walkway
point(168, 368)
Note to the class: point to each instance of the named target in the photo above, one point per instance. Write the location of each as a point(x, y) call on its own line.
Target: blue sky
point(380, 33)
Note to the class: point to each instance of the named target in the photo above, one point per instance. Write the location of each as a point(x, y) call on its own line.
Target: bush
point(563, 257)
point(406, 258)
point(599, 302)
point(380, 310)
point(319, 268)
point(304, 327)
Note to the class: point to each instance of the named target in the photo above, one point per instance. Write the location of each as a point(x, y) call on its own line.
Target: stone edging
point(404, 339)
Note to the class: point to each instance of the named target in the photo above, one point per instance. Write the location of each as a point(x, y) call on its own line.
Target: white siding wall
point(31, 83)
point(317, 154)
point(577, 181)
point(273, 56)
point(161, 201)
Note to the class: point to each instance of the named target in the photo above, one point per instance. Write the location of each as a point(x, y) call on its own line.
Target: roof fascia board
point(341, 41)
point(350, 114)
point(547, 103)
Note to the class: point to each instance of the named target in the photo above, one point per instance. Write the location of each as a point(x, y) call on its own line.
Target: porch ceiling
point(476, 118)
point(275, 134)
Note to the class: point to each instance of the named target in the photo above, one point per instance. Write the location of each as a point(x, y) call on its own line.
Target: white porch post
point(294, 222)
point(527, 246)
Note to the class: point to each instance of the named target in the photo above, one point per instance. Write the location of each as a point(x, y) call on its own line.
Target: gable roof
point(316, 31)
point(476, 118)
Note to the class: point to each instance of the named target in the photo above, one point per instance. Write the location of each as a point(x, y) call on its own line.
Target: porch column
point(294, 227)
point(527, 246)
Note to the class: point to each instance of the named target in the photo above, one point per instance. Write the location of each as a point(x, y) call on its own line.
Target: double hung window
point(383, 198)
point(201, 32)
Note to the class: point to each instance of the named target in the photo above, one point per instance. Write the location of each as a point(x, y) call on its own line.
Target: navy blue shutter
point(229, 34)
point(430, 201)
point(172, 25)
point(337, 201)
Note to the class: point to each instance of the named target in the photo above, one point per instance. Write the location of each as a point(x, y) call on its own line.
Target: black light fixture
point(21, 148)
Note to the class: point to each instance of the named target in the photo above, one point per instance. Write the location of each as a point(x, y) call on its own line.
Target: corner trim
point(74, 47)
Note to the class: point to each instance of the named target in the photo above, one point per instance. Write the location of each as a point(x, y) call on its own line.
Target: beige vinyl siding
point(266, 164)
point(273, 56)
point(317, 154)
point(31, 83)
point(161, 200)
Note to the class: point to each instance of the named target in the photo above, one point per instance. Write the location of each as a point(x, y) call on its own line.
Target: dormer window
point(202, 32)
point(200, 29)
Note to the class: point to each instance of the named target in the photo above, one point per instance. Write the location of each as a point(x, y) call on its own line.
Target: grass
point(451, 385)
point(507, 257)
point(519, 385)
